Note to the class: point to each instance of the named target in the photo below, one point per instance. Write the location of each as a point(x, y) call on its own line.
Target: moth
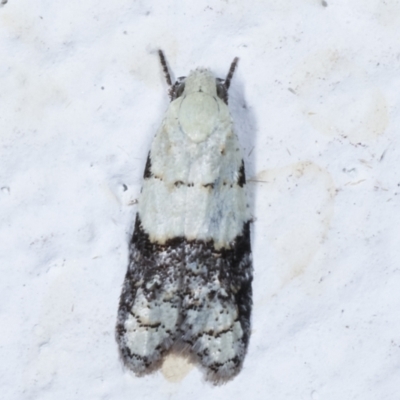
point(188, 285)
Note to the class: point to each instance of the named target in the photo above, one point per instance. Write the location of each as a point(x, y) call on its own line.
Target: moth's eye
point(222, 93)
point(180, 89)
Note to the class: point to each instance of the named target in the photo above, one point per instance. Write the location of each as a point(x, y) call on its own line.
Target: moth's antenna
point(165, 67)
point(228, 78)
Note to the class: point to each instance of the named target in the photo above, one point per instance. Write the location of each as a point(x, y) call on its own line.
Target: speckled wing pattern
point(188, 284)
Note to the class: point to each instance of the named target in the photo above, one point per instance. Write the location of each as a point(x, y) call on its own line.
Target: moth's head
point(200, 80)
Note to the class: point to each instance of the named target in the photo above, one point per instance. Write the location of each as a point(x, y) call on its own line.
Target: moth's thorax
point(199, 106)
point(198, 116)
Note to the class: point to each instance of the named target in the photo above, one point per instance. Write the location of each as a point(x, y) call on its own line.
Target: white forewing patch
point(175, 201)
point(195, 212)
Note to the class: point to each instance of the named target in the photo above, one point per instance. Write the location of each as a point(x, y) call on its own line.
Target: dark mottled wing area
point(216, 306)
point(149, 308)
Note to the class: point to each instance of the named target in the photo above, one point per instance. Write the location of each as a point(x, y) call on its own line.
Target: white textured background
point(316, 101)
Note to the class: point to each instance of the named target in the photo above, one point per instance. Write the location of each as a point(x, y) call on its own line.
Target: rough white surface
point(315, 101)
